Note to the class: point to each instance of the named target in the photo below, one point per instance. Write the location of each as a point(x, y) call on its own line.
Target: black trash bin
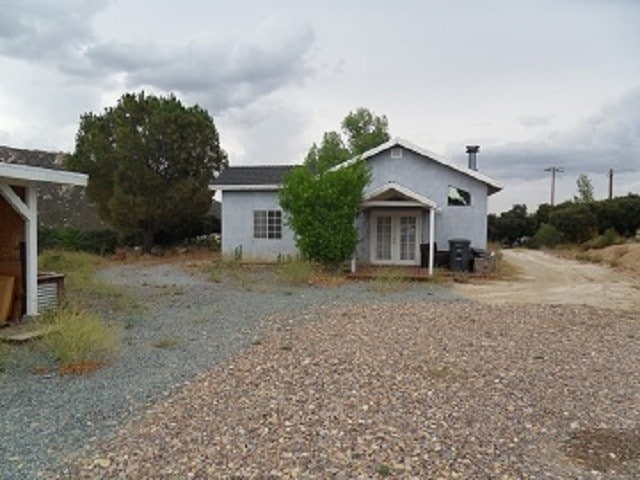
point(424, 254)
point(460, 254)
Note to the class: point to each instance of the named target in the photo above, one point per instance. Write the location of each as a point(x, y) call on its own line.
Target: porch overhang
point(393, 195)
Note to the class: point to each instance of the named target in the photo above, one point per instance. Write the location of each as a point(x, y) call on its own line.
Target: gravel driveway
point(189, 324)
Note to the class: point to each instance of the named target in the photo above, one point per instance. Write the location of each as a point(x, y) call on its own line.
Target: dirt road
point(548, 279)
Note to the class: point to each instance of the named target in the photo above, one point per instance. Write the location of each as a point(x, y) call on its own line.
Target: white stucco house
point(415, 197)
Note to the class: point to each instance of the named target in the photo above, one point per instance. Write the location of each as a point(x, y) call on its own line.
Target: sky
point(535, 83)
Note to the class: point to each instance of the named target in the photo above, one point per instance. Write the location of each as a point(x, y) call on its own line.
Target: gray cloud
point(225, 74)
point(609, 139)
point(535, 120)
point(45, 31)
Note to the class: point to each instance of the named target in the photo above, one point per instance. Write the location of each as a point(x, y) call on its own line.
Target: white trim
point(29, 174)
point(16, 202)
point(496, 186)
point(392, 204)
point(432, 228)
point(245, 187)
point(31, 241)
point(407, 192)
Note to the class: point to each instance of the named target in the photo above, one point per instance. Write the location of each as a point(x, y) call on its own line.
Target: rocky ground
point(408, 390)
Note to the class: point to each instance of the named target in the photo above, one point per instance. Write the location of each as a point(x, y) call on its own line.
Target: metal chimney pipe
point(472, 150)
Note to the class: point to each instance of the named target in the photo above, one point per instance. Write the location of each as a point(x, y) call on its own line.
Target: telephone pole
point(610, 174)
point(553, 171)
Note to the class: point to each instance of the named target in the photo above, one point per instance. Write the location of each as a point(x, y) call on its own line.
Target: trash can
point(459, 254)
point(424, 254)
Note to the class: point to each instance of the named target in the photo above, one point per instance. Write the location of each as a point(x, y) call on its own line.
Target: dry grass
point(78, 337)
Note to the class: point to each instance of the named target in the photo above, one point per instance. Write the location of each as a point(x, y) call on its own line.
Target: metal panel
point(48, 296)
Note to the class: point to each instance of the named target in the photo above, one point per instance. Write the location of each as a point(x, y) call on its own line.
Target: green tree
point(576, 221)
point(330, 153)
point(322, 208)
point(150, 160)
point(364, 130)
point(585, 189)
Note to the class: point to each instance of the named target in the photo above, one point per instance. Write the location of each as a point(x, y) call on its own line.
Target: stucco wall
point(432, 180)
point(237, 226)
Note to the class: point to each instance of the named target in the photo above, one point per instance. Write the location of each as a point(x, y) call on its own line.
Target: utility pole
point(610, 183)
point(553, 171)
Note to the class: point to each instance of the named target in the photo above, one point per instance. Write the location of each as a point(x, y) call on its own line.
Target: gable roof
point(387, 195)
point(493, 185)
point(265, 177)
point(25, 174)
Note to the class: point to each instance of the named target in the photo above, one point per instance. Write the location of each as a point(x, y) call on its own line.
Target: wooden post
point(31, 234)
point(432, 215)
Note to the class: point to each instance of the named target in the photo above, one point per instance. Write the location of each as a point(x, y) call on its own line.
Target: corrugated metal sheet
point(48, 296)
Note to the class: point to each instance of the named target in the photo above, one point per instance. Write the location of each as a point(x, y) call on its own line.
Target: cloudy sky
point(534, 82)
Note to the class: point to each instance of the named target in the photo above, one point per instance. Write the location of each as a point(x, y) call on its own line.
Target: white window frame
point(267, 224)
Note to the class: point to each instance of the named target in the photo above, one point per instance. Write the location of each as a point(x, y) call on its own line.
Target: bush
point(297, 272)
point(100, 242)
point(548, 236)
point(575, 220)
point(608, 238)
point(79, 336)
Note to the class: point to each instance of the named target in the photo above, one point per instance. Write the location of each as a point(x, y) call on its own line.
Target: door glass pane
point(383, 238)
point(408, 238)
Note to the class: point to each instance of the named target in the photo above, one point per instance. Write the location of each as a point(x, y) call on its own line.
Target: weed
point(81, 285)
point(167, 343)
point(388, 280)
point(439, 372)
point(79, 336)
point(5, 354)
point(297, 272)
point(257, 341)
point(383, 470)
point(503, 268)
point(286, 347)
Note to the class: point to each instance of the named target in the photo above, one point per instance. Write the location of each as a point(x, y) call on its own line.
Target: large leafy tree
point(321, 202)
point(585, 189)
point(150, 160)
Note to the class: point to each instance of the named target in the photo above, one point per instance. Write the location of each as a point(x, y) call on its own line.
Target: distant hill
point(58, 205)
point(64, 205)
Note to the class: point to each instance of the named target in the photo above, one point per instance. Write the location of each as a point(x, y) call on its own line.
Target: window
point(267, 224)
point(458, 197)
point(396, 153)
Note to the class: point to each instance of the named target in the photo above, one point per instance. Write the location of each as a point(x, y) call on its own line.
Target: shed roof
point(26, 174)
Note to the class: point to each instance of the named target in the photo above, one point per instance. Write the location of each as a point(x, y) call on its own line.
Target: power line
point(553, 171)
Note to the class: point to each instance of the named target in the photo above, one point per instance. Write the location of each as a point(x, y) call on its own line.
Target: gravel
point(188, 325)
point(411, 389)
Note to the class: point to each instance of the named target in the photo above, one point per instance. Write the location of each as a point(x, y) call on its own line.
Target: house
point(19, 233)
point(415, 197)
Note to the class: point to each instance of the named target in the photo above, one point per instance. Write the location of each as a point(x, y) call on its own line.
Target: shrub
point(100, 242)
point(297, 272)
point(608, 238)
point(78, 336)
point(575, 220)
point(548, 236)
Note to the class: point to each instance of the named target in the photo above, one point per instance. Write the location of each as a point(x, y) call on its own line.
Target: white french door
point(395, 237)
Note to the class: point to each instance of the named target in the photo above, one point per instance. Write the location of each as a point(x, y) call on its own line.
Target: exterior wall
point(432, 180)
point(237, 226)
point(12, 233)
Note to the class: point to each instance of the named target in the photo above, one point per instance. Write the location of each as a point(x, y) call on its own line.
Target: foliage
point(620, 213)
point(100, 242)
point(364, 130)
point(330, 153)
point(585, 189)
point(548, 236)
point(79, 336)
point(298, 272)
point(321, 209)
point(82, 287)
point(575, 220)
point(511, 226)
point(150, 161)
point(608, 238)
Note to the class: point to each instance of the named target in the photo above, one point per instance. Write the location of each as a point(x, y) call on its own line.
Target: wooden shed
point(19, 235)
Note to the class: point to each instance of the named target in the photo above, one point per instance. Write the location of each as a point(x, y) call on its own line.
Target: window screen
point(267, 224)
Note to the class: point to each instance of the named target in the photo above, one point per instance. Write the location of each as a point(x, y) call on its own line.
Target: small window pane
point(267, 224)
point(458, 197)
